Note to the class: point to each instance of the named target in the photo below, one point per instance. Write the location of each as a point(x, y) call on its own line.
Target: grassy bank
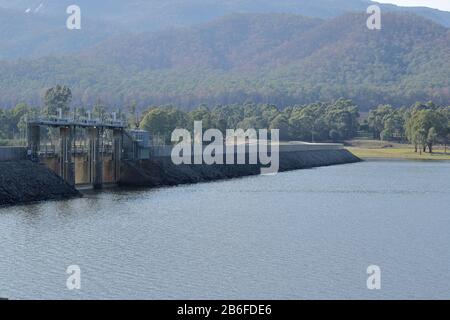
point(366, 149)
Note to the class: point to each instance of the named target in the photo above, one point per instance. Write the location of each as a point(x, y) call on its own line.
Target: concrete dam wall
point(160, 170)
point(25, 181)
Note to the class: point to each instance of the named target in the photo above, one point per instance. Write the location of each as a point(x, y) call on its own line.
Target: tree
point(431, 138)
point(393, 126)
point(422, 139)
point(13, 122)
point(253, 122)
point(385, 135)
point(300, 125)
point(281, 123)
point(231, 114)
point(99, 111)
point(133, 119)
point(56, 98)
point(80, 112)
point(343, 116)
point(377, 120)
point(420, 123)
point(202, 113)
point(161, 121)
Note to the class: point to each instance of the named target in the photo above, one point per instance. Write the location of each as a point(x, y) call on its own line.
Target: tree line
point(56, 100)
point(333, 121)
point(423, 125)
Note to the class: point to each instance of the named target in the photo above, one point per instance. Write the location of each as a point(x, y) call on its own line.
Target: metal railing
point(74, 121)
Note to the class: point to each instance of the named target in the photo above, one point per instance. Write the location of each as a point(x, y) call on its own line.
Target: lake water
point(308, 234)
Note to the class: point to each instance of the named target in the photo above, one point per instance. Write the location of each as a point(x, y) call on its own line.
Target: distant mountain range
point(36, 28)
point(151, 14)
point(28, 35)
point(283, 59)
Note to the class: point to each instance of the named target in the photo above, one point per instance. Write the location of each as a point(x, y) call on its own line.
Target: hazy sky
point(438, 4)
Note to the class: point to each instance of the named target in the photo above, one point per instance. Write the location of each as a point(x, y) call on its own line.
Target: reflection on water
point(302, 234)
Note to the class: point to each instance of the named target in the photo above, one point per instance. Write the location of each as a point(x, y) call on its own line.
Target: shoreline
point(381, 159)
point(376, 149)
point(397, 154)
point(160, 171)
point(25, 182)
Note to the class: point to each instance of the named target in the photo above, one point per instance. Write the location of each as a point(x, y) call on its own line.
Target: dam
point(64, 156)
point(159, 169)
point(89, 151)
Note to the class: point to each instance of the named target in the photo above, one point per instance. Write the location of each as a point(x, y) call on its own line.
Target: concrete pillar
point(95, 159)
point(34, 141)
point(117, 153)
point(67, 166)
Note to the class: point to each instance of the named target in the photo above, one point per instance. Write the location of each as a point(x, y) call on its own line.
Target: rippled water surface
point(302, 234)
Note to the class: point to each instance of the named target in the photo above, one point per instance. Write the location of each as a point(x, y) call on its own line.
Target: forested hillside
point(277, 58)
point(29, 35)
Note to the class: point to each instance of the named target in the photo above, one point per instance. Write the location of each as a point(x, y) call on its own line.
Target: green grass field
point(367, 149)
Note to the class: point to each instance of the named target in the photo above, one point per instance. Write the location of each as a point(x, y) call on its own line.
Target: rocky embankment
point(161, 171)
point(25, 181)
